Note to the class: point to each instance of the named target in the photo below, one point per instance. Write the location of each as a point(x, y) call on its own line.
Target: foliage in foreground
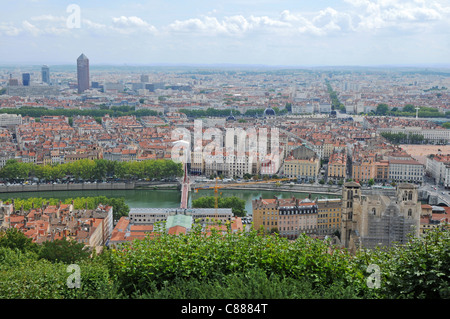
point(239, 265)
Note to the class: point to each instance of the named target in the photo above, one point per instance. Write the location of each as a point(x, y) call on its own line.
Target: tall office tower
point(45, 71)
point(26, 79)
point(83, 73)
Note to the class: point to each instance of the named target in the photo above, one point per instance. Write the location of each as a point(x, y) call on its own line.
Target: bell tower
point(351, 195)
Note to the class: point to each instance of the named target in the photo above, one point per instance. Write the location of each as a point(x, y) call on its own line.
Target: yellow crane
point(216, 187)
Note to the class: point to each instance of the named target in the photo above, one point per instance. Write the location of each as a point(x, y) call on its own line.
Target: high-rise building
point(26, 79)
point(45, 72)
point(83, 73)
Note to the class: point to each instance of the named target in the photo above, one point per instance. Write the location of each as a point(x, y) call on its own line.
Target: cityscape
point(146, 166)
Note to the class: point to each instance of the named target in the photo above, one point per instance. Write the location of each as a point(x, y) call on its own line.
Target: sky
point(248, 32)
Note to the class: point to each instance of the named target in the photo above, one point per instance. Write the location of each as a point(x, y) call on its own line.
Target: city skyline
point(271, 33)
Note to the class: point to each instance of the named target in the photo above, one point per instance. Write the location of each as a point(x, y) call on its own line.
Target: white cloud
point(30, 28)
point(403, 15)
point(131, 24)
point(9, 30)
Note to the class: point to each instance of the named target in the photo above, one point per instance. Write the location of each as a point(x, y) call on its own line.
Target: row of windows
point(325, 221)
point(328, 215)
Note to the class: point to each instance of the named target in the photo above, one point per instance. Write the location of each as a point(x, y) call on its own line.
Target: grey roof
point(82, 57)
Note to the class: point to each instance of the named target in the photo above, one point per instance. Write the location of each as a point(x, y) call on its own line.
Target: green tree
point(409, 108)
point(64, 250)
point(382, 109)
point(236, 204)
point(15, 239)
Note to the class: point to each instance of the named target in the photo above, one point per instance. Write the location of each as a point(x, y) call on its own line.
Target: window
point(409, 212)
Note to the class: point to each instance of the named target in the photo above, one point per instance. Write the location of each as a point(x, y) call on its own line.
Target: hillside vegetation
point(236, 265)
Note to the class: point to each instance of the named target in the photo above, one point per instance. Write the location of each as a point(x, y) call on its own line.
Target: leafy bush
point(164, 258)
point(233, 266)
point(253, 284)
point(420, 269)
point(24, 276)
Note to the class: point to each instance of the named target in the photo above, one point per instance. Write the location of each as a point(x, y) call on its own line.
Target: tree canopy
point(236, 204)
point(87, 169)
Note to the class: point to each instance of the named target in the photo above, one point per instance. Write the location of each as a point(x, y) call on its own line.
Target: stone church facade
point(379, 220)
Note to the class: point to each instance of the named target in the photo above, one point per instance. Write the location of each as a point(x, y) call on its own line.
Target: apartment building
point(406, 170)
point(298, 219)
point(438, 166)
point(382, 171)
point(337, 166)
point(289, 217)
point(304, 169)
point(265, 213)
point(150, 216)
point(363, 169)
point(328, 216)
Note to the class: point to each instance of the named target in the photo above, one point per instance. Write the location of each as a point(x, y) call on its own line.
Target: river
point(140, 198)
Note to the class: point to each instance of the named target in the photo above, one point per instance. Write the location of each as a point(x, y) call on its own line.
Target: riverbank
point(292, 188)
point(334, 190)
point(86, 187)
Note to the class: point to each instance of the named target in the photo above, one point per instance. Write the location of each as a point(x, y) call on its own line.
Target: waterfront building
point(337, 166)
point(302, 163)
point(142, 222)
point(289, 217)
point(329, 216)
point(304, 169)
point(406, 170)
point(265, 213)
point(298, 219)
point(145, 216)
point(382, 171)
point(363, 169)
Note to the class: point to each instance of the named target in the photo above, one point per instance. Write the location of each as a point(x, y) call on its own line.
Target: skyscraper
point(83, 73)
point(45, 71)
point(26, 79)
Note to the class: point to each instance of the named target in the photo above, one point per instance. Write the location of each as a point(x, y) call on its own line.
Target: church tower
point(351, 205)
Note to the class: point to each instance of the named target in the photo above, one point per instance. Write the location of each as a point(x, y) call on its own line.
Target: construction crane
point(216, 188)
